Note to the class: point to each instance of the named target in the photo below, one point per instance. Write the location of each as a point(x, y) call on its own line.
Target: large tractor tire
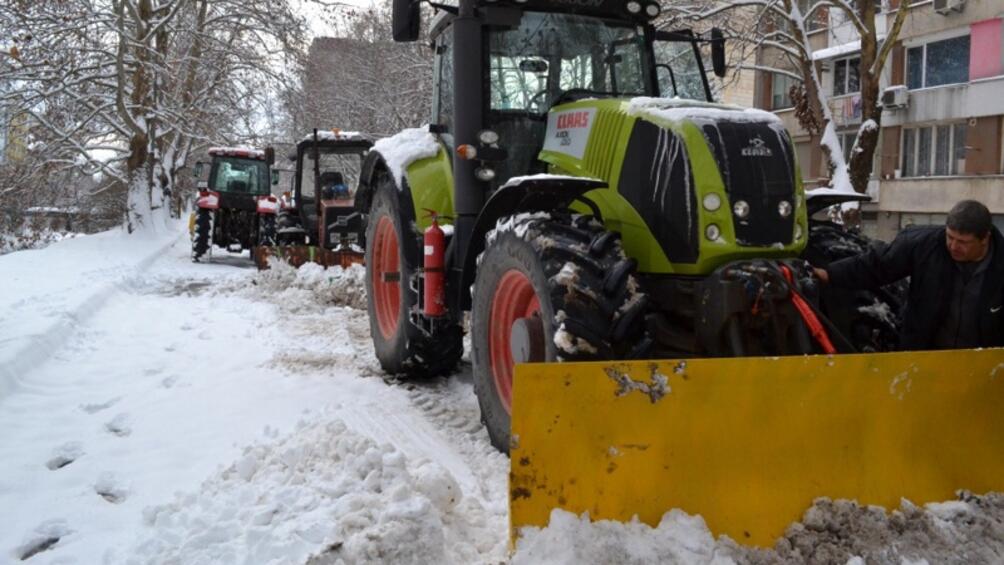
point(869, 319)
point(266, 230)
point(202, 235)
point(401, 347)
point(558, 288)
point(289, 228)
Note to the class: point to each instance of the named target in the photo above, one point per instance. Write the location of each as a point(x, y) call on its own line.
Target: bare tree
point(362, 80)
point(130, 88)
point(781, 26)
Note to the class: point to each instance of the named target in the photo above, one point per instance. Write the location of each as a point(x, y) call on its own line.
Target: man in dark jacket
point(956, 280)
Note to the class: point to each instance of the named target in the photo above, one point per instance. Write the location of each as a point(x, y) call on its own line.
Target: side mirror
point(197, 172)
point(270, 155)
point(718, 52)
point(533, 66)
point(405, 20)
point(275, 177)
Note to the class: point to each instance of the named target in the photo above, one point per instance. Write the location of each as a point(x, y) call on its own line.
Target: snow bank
point(46, 293)
point(323, 494)
point(405, 148)
point(676, 110)
point(571, 539)
point(306, 288)
point(968, 530)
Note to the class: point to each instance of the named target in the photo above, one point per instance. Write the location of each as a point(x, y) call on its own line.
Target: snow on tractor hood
point(680, 110)
point(404, 148)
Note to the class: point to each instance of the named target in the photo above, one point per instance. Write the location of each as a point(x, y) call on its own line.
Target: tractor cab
point(320, 210)
point(540, 55)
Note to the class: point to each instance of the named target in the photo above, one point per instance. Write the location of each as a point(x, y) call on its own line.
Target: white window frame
point(933, 151)
point(773, 78)
point(923, 43)
point(847, 75)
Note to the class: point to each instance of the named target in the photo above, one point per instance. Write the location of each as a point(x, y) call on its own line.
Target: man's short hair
point(970, 217)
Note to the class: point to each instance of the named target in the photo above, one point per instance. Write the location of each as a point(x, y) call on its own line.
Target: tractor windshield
point(233, 174)
point(548, 54)
point(347, 165)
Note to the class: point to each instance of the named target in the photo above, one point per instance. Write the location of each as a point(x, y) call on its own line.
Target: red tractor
point(235, 208)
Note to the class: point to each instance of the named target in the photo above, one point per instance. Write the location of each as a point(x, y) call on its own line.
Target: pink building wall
point(985, 57)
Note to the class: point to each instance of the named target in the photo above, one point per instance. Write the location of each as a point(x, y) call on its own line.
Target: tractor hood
point(710, 182)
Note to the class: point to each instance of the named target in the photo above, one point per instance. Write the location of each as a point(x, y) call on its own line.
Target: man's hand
point(821, 274)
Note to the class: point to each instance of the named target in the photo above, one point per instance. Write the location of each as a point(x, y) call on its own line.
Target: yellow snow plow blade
point(749, 443)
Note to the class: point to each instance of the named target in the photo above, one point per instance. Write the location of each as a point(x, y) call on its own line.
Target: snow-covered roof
point(678, 109)
point(838, 50)
point(404, 148)
point(334, 134)
point(238, 151)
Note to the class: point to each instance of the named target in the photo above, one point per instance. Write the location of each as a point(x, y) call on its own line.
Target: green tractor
point(598, 204)
point(235, 208)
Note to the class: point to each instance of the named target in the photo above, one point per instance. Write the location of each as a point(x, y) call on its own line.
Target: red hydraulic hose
point(815, 326)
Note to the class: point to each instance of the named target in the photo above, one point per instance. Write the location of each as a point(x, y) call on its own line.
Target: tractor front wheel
point(549, 289)
point(202, 235)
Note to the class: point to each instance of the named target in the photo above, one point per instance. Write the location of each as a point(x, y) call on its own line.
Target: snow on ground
point(160, 411)
point(205, 413)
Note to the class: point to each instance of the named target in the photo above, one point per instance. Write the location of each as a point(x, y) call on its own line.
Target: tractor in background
point(317, 219)
point(235, 208)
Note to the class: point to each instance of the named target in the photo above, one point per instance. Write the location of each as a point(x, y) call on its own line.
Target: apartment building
point(942, 136)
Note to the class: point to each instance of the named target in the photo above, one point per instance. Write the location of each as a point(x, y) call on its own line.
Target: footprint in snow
point(169, 382)
point(119, 425)
point(97, 407)
point(65, 454)
point(43, 538)
point(111, 489)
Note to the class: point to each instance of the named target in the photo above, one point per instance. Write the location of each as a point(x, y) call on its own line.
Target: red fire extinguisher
point(434, 242)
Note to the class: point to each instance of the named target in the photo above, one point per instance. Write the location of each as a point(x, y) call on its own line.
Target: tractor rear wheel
point(549, 289)
point(202, 237)
point(266, 230)
point(401, 347)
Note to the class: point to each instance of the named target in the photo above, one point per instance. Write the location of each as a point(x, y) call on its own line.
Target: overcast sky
point(316, 14)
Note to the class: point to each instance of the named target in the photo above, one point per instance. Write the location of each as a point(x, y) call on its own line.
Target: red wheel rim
point(514, 299)
point(386, 277)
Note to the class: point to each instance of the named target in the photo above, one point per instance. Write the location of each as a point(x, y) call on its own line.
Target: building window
point(779, 89)
point(846, 76)
point(938, 150)
point(938, 63)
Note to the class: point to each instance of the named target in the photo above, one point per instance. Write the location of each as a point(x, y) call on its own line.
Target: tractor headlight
point(488, 137)
point(484, 174)
point(653, 10)
point(634, 7)
point(741, 209)
point(712, 232)
point(784, 208)
point(712, 202)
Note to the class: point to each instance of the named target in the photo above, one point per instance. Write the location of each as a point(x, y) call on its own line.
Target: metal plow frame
point(297, 255)
point(749, 443)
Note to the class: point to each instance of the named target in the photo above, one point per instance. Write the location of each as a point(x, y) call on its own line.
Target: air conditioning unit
point(895, 97)
point(945, 7)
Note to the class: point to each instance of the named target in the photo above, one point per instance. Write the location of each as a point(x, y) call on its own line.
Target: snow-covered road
point(208, 413)
point(153, 410)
